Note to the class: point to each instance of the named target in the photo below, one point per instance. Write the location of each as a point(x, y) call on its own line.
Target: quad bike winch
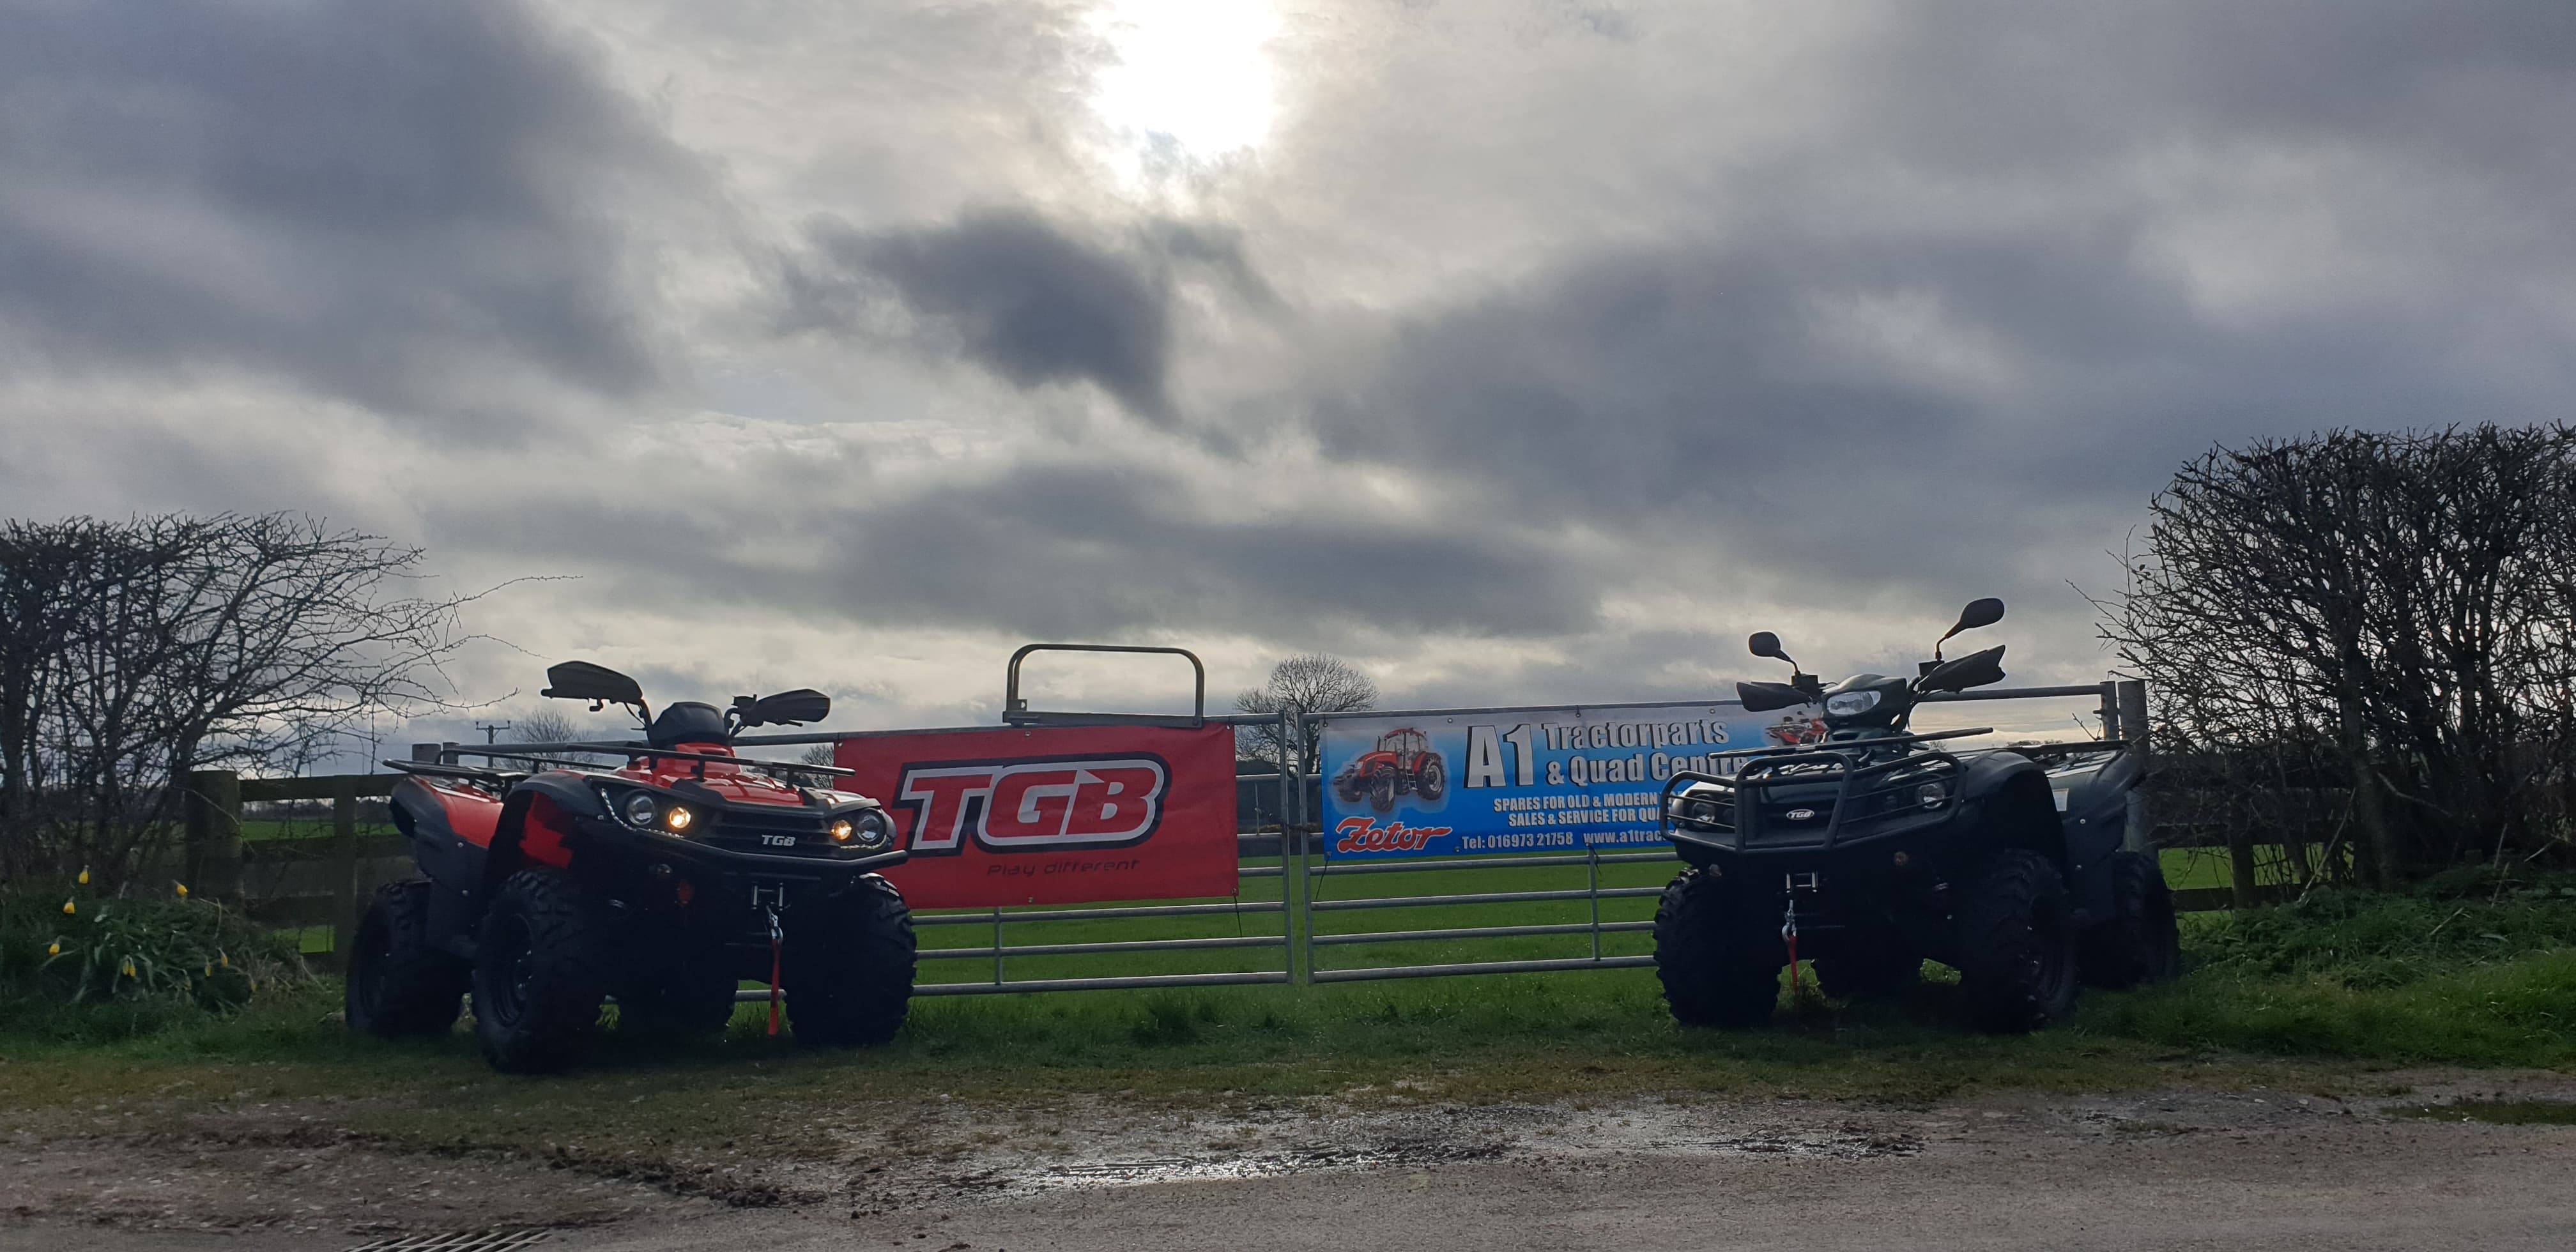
point(663, 882)
point(1872, 850)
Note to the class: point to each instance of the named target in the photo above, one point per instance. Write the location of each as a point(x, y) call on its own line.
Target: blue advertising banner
point(1405, 785)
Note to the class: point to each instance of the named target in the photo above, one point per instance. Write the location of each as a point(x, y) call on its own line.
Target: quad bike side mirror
point(787, 708)
point(581, 680)
point(1985, 612)
point(1765, 644)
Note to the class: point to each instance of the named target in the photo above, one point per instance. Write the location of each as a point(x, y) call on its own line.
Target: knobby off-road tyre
point(1381, 791)
point(398, 984)
point(1878, 968)
point(1718, 958)
point(848, 966)
point(2017, 958)
point(1434, 782)
point(540, 973)
point(2141, 943)
point(694, 1000)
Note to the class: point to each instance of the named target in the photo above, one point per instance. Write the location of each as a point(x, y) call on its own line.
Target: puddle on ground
point(1139, 1154)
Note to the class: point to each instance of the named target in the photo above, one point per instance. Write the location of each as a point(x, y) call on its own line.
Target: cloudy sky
point(1517, 350)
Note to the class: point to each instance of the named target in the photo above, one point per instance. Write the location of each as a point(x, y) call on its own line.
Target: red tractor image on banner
point(1401, 764)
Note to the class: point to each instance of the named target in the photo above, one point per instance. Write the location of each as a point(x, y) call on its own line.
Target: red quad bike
point(1401, 764)
point(663, 882)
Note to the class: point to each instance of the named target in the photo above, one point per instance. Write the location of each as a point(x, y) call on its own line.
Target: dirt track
point(2157, 1170)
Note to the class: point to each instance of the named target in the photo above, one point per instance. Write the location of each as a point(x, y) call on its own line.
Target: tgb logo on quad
point(1033, 806)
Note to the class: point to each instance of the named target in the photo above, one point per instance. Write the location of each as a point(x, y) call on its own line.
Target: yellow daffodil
point(183, 889)
point(127, 969)
point(55, 948)
point(223, 960)
point(70, 909)
point(84, 876)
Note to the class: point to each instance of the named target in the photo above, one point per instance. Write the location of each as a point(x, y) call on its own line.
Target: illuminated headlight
point(1930, 795)
point(1850, 703)
point(645, 811)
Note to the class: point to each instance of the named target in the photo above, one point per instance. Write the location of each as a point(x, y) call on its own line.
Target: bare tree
point(1306, 684)
point(162, 645)
point(2390, 618)
point(552, 726)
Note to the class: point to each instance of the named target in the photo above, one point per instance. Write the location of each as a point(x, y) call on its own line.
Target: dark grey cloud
point(385, 203)
point(1033, 300)
point(1058, 550)
point(1730, 385)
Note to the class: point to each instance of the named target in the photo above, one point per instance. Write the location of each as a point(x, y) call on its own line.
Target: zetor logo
point(1359, 834)
point(1034, 806)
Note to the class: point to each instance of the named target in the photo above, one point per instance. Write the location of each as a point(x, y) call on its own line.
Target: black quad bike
point(1875, 850)
point(663, 882)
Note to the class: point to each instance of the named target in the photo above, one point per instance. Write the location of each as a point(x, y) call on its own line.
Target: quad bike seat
point(687, 722)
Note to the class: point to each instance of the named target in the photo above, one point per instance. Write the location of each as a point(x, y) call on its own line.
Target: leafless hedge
point(133, 652)
point(2376, 629)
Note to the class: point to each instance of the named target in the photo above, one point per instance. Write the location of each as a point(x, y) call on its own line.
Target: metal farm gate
point(2118, 705)
point(1312, 893)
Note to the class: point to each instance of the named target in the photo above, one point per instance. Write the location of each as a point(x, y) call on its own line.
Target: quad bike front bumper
point(1812, 804)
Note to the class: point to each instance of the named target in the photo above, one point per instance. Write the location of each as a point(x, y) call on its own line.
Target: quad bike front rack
point(1854, 782)
point(1016, 710)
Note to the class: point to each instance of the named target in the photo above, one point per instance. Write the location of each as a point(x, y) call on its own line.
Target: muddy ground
point(2161, 1169)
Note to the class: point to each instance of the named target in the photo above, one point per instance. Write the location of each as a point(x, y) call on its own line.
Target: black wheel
point(1880, 967)
point(1381, 791)
point(1348, 788)
point(1717, 954)
point(539, 973)
point(1435, 781)
point(2141, 943)
point(2016, 945)
point(398, 984)
point(848, 966)
point(693, 1000)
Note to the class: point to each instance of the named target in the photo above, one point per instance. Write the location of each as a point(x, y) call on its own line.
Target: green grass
point(315, 826)
point(2316, 995)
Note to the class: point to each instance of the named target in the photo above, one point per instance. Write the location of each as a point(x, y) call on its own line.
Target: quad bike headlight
point(644, 810)
point(1850, 703)
point(1930, 795)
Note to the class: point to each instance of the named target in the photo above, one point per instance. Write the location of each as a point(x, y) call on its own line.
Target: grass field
point(2322, 995)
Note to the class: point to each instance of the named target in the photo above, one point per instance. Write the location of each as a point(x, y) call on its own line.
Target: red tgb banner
point(1054, 814)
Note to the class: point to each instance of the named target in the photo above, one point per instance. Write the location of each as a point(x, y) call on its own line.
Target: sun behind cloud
point(1191, 75)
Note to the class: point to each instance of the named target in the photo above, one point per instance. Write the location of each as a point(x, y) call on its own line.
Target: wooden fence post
point(344, 867)
point(210, 806)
